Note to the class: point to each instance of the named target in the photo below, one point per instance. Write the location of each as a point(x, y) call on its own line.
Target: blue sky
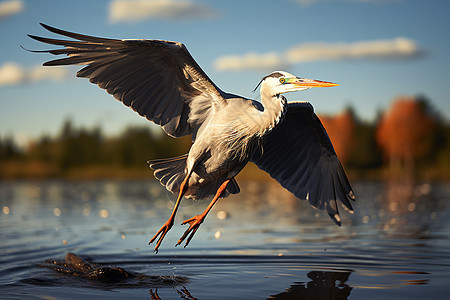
point(375, 49)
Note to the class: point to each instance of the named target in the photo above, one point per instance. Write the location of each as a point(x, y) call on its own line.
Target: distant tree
point(42, 149)
point(134, 146)
point(9, 149)
point(366, 153)
point(404, 133)
point(442, 146)
point(341, 130)
point(77, 147)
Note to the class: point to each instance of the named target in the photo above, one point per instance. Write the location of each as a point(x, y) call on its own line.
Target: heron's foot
point(162, 233)
point(184, 294)
point(154, 295)
point(194, 224)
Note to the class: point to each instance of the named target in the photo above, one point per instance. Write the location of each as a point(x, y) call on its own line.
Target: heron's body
point(162, 82)
point(224, 144)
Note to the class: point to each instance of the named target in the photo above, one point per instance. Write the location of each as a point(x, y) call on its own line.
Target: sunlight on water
point(262, 243)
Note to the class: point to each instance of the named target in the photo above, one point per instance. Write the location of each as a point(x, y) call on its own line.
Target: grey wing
point(158, 79)
point(299, 155)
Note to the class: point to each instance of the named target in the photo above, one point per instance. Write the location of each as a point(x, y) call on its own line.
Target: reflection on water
point(184, 294)
point(261, 243)
point(323, 285)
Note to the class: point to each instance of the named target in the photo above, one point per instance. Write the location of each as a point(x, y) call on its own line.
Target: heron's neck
point(239, 132)
point(275, 107)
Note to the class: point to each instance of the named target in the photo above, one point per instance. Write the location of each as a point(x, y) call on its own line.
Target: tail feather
point(170, 171)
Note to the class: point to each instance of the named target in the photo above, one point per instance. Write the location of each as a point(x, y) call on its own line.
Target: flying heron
point(162, 82)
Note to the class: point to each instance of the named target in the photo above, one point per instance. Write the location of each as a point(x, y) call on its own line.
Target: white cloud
point(40, 73)
point(139, 10)
point(308, 2)
point(312, 52)
point(311, 2)
point(13, 74)
point(252, 60)
point(377, 49)
point(10, 8)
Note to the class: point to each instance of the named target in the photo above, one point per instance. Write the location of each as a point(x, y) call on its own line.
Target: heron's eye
point(282, 80)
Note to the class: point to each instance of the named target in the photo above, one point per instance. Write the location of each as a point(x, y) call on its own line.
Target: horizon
point(376, 50)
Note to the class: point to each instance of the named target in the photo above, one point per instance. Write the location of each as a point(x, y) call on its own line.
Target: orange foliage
point(402, 131)
point(341, 130)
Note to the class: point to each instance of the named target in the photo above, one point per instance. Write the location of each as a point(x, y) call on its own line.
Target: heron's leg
point(166, 227)
point(196, 221)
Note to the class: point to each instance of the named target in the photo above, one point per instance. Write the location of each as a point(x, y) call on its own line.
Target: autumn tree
point(404, 133)
point(341, 130)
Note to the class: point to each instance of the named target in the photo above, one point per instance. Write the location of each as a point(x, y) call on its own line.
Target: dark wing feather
point(299, 155)
point(158, 79)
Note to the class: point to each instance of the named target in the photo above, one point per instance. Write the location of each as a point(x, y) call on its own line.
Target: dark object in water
point(76, 266)
point(323, 285)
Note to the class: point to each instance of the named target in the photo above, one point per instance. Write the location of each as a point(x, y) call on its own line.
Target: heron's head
point(280, 82)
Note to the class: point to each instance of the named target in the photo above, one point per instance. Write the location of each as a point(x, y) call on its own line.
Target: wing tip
point(336, 218)
point(35, 37)
point(351, 195)
point(54, 29)
point(51, 28)
point(48, 27)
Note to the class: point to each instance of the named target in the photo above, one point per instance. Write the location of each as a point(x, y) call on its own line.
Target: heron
point(162, 82)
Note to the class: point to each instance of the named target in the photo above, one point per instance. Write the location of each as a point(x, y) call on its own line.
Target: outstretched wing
point(158, 79)
point(299, 155)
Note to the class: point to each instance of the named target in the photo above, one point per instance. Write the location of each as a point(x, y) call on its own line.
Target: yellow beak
point(309, 83)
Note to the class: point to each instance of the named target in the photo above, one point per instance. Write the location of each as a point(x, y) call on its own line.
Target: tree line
point(80, 152)
point(410, 139)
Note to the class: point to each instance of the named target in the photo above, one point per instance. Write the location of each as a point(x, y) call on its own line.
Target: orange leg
point(168, 225)
point(196, 221)
point(154, 295)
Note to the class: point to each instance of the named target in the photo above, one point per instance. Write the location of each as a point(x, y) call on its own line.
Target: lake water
point(260, 244)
